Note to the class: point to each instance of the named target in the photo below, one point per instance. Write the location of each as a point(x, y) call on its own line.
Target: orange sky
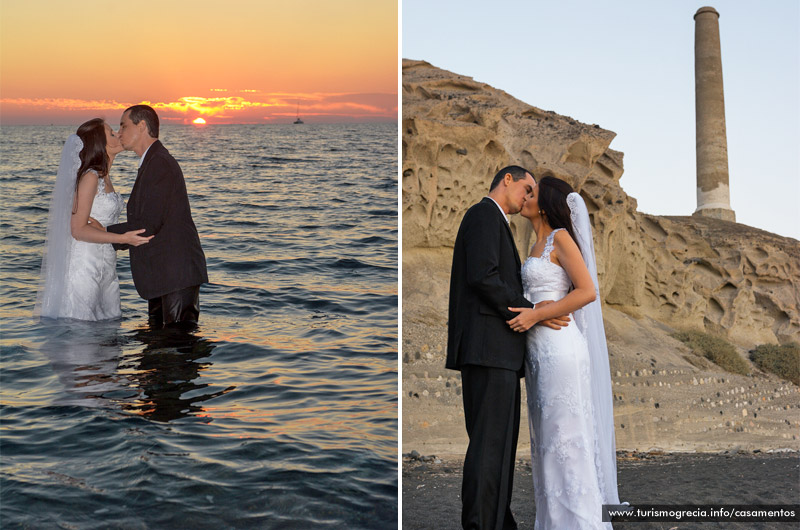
point(239, 61)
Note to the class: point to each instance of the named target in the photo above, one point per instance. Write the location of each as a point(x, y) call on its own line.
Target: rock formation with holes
point(657, 274)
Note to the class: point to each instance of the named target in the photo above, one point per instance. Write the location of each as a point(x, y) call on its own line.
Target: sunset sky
point(241, 61)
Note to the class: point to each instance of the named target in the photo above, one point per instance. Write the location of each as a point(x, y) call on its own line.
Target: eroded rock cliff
point(657, 274)
point(722, 277)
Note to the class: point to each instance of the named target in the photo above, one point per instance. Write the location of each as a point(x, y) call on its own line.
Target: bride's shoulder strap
point(548, 246)
point(100, 180)
point(552, 236)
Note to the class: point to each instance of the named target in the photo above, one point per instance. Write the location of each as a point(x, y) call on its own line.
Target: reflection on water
point(165, 373)
point(85, 357)
point(157, 381)
point(279, 411)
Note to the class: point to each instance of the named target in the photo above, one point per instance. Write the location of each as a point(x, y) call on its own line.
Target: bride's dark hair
point(553, 203)
point(94, 154)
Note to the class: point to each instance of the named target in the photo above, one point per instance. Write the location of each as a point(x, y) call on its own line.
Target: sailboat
point(298, 121)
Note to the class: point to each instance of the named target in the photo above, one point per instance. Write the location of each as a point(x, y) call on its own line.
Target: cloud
point(251, 106)
point(62, 104)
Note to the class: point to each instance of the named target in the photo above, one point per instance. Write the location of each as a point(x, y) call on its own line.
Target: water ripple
point(280, 411)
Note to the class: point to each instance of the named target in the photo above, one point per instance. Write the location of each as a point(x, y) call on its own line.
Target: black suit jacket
point(485, 280)
point(173, 259)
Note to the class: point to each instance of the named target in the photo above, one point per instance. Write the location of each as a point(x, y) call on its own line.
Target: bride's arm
point(79, 223)
point(569, 257)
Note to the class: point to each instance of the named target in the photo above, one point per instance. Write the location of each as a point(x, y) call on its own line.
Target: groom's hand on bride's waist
point(527, 318)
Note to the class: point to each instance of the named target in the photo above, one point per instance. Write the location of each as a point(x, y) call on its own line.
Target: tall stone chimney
point(713, 195)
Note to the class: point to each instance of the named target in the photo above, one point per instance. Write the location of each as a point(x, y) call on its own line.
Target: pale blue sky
point(628, 66)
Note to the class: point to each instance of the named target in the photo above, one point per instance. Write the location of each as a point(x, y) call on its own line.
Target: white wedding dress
point(91, 291)
point(78, 279)
point(569, 490)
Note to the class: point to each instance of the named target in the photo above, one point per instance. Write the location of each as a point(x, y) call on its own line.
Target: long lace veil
point(589, 320)
point(58, 245)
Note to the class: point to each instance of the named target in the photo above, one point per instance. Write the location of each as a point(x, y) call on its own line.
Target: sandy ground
point(431, 491)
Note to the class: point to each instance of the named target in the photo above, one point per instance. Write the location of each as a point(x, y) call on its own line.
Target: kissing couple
point(79, 277)
point(508, 319)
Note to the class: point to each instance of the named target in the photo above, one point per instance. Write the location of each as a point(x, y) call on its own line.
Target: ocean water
point(279, 411)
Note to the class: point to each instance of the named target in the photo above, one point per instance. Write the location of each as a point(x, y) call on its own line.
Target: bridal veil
point(56, 259)
point(589, 320)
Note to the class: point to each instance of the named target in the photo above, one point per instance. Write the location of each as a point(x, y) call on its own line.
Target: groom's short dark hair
point(146, 113)
point(517, 173)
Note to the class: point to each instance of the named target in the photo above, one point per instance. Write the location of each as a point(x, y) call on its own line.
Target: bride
point(79, 277)
point(566, 371)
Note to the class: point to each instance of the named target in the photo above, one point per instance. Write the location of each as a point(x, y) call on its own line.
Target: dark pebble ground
point(431, 491)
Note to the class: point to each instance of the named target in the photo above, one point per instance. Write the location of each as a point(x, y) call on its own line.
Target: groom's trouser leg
point(491, 409)
point(178, 306)
point(155, 313)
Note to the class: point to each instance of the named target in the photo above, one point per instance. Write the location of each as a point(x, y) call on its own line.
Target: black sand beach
point(431, 491)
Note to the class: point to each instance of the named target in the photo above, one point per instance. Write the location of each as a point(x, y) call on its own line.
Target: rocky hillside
point(657, 274)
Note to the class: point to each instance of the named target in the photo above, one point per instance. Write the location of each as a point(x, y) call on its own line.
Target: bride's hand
point(525, 320)
point(133, 237)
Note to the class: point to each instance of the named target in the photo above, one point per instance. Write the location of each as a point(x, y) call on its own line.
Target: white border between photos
point(399, 264)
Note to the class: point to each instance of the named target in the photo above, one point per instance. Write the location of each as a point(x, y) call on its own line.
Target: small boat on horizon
point(298, 121)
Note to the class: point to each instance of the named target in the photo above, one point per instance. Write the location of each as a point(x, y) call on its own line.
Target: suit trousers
point(182, 306)
point(491, 409)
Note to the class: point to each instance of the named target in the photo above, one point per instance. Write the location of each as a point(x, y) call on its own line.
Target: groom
point(485, 281)
point(168, 274)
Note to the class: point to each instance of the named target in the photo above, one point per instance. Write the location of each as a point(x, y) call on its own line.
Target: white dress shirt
point(501, 210)
point(144, 154)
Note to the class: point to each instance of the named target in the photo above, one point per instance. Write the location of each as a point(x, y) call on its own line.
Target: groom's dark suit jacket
point(173, 259)
point(485, 280)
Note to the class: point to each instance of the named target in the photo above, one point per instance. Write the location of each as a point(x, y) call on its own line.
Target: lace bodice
point(106, 206)
point(92, 286)
point(540, 275)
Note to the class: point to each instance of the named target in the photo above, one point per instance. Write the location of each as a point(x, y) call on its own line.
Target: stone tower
point(713, 195)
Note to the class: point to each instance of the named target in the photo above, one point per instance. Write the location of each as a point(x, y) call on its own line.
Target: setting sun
point(199, 121)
